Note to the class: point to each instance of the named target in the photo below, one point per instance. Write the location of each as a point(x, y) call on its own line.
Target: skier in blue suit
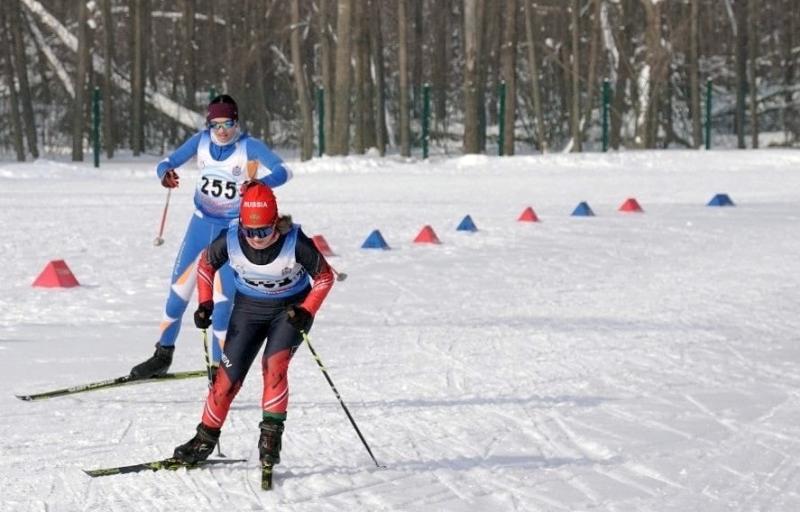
point(226, 158)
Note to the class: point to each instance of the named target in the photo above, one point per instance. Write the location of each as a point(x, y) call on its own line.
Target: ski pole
point(339, 397)
point(159, 239)
point(208, 362)
point(340, 276)
point(210, 379)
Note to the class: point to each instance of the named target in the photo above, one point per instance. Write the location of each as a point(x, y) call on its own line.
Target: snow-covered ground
point(621, 362)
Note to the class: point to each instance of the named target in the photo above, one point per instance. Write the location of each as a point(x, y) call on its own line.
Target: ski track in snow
point(622, 362)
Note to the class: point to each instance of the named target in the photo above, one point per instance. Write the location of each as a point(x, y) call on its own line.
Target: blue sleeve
point(278, 172)
point(180, 156)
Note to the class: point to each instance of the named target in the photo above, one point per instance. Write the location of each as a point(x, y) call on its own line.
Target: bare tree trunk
point(43, 66)
point(8, 75)
point(28, 118)
point(657, 61)
point(79, 105)
point(360, 76)
point(694, 74)
point(790, 126)
point(210, 65)
point(109, 137)
point(508, 56)
point(131, 38)
point(564, 65)
point(137, 77)
point(417, 44)
point(752, 37)
point(575, 111)
point(174, 59)
point(669, 129)
point(341, 120)
point(307, 122)
point(367, 84)
point(441, 45)
point(591, 80)
point(471, 48)
point(325, 55)
point(376, 47)
point(255, 69)
point(187, 50)
point(488, 50)
point(531, 29)
point(619, 106)
point(402, 70)
point(46, 95)
point(251, 94)
point(234, 61)
point(148, 61)
point(741, 69)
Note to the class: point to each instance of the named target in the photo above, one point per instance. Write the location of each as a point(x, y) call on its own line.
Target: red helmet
point(259, 207)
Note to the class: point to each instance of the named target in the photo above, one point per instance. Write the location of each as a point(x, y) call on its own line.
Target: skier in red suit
point(274, 265)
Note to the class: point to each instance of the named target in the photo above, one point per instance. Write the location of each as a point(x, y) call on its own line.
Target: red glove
point(170, 179)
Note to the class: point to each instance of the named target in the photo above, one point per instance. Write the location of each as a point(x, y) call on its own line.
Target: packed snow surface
point(626, 361)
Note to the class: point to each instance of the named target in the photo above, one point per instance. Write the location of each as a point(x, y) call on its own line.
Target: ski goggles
point(257, 232)
point(230, 123)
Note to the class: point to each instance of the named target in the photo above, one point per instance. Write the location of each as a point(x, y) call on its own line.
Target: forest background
point(345, 76)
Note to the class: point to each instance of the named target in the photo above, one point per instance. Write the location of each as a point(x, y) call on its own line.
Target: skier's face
point(257, 242)
point(223, 127)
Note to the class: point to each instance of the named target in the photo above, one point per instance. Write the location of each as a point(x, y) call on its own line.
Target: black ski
point(111, 383)
point(169, 464)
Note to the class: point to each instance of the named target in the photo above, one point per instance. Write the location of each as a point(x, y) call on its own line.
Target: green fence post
point(606, 102)
point(96, 125)
point(501, 118)
point(426, 115)
point(708, 114)
point(321, 120)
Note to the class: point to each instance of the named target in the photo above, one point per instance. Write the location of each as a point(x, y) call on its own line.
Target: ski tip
point(94, 473)
point(26, 398)
point(168, 464)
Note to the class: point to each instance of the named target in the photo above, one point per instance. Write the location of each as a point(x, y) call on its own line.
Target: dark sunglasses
point(230, 123)
point(257, 232)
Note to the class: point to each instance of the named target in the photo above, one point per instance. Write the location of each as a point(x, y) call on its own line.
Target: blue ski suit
point(216, 199)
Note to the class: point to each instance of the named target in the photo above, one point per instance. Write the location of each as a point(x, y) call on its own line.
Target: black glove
point(300, 318)
point(202, 316)
point(170, 179)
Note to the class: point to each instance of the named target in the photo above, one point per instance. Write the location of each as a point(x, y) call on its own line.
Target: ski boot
point(269, 450)
point(156, 366)
point(199, 447)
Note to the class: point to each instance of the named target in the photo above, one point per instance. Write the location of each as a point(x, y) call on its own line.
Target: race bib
point(218, 194)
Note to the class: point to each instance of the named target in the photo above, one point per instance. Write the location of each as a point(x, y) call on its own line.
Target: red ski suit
point(255, 319)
